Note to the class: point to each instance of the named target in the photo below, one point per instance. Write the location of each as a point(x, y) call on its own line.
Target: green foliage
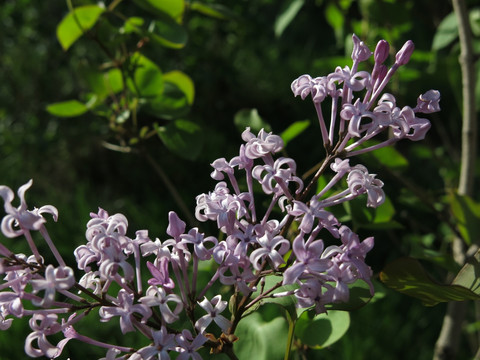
point(250, 118)
point(67, 108)
point(321, 331)
point(76, 23)
point(259, 338)
point(466, 213)
point(183, 137)
point(294, 130)
point(407, 276)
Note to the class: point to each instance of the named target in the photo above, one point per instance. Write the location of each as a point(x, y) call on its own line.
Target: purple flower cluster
point(286, 229)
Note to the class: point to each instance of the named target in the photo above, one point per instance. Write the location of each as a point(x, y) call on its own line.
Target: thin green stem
point(291, 329)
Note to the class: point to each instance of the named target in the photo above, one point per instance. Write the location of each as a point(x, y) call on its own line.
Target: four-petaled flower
point(213, 308)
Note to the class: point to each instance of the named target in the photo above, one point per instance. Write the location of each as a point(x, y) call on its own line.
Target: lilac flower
point(314, 293)
point(188, 346)
point(156, 296)
point(21, 217)
point(282, 172)
point(61, 278)
point(272, 248)
point(160, 273)
point(403, 55)
point(360, 181)
point(176, 227)
point(42, 326)
point(356, 81)
point(198, 240)
point(313, 211)
point(91, 281)
point(163, 342)
point(4, 322)
point(213, 308)
point(124, 307)
point(261, 145)
point(308, 260)
point(428, 102)
point(360, 52)
point(240, 275)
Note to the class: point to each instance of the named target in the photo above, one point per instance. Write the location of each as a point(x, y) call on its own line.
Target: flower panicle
point(287, 231)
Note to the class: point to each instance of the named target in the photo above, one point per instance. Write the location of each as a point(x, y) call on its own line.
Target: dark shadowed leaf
point(467, 215)
point(182, 137)
point(168, 33)
point(407, 276)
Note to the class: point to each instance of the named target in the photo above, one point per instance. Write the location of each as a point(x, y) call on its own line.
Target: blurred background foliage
point(241, 55)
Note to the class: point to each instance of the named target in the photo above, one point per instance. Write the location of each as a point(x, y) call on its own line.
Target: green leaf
point(132, 25)
point(287, 302)
point(182, 137)
point(105, 83)
point(171, 104)
point(447, 31)
point(76, 23)
point(168, 33)
point(359, 297)
point(287, 16)
point(69, 108)
point(218, 11)
point(334, 16)
point(468, 276)
point(172, 8)
point(467, 215)
point(183, 82)
point(147, 76)
point(387, 156)
point(406, 275)
point(322, 330)
point(250, 118)
point(294, 130)
point(259, 339)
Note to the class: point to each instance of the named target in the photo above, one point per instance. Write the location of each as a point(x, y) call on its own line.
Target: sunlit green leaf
point(76, 23)
point(105, 83)
point(218, 11)
point(259, 339)
point(467, 215)
point(390, 157)
point(294, 130)
point(172, 8)
point(182, 137)
point(148, 79)
point(322, 330)
point(168, 33)
point(447, 31)
point(69, 108)
point(287, 16)
point(183, 82)
point(250, 118)
point(132, 25)
point(407, 276)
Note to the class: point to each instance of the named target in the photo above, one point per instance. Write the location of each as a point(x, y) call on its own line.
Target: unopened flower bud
point(403, 55)
point(381, 51)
